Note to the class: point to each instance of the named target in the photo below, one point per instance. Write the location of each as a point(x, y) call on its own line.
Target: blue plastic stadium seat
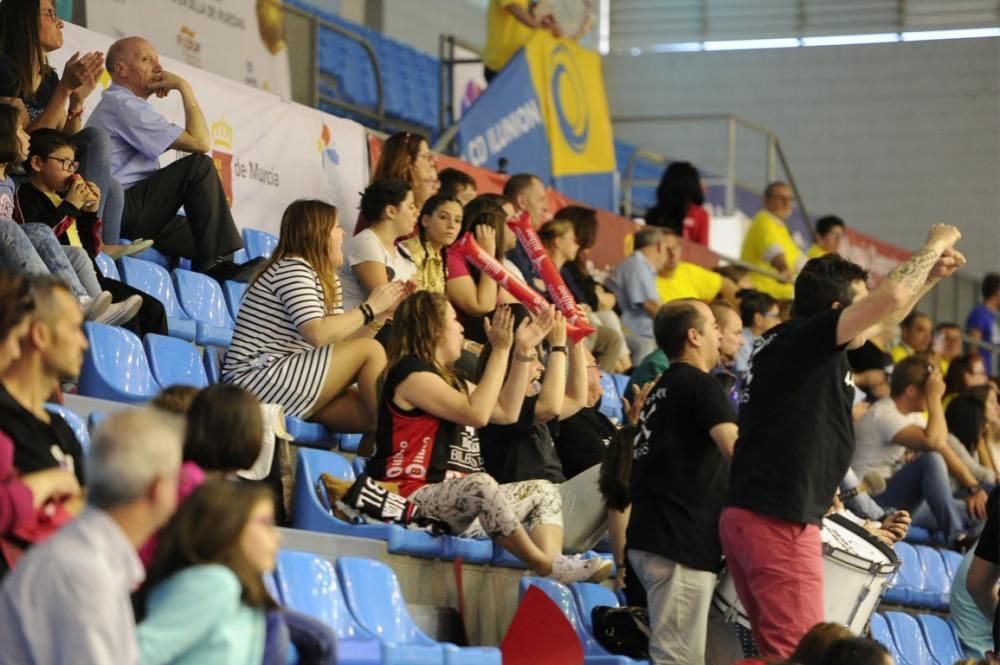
point(881, 634)
point(94, 419)
point(155, 280)
point(313, 435)
point(621, 383)
point(593, 652)
point(308, 584)
point(588, 596)
point(115, 366)
point(909, 579)
point(611, 402)
point(271, 584)
point(918, 535)
point(75, 423)
point(240, 256)
point(107, 266)
point(376, 601)
point(174, 361)
point(211, 357)
point(202, 299)
point(941, 639)
point(937, 583)
point(152, 255)
point(234, 292)
point(308, 513)
point(349, 442)
point(909, 639)
point(358, 464)
point(952, 560)
point(259, 243)
point(503, 558)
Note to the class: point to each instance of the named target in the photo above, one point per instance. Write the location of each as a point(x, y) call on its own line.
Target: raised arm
point(464, 293)
point(897, 294)
point(195, 137)
point(576, 390)
point(430, 393)
point(553, 393)
point(526, 340)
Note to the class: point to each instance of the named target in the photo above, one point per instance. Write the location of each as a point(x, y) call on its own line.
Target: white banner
point(269, 152)
point(242, 40)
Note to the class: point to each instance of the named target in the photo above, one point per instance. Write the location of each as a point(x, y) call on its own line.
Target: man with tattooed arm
point(796, 437)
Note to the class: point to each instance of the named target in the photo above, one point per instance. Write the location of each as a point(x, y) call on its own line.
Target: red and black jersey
point(413, 447)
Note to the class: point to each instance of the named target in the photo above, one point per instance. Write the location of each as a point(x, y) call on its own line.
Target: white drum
point(856, 570)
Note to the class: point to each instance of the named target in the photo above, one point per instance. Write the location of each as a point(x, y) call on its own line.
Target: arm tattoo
point(912, 274)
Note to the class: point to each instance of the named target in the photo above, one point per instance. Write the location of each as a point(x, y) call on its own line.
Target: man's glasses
point(67, 164)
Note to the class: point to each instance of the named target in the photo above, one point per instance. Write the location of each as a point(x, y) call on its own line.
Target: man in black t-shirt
point(51, 352)
point(687, 430)
point(796, 438)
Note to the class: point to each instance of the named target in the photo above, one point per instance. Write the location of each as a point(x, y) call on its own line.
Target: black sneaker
point(236, 272)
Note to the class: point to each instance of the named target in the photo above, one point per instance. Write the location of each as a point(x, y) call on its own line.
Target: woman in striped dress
point(294, 345)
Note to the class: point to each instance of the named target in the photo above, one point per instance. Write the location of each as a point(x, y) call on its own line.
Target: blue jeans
point(34, 249)
point(93, 151)
point(925, 479)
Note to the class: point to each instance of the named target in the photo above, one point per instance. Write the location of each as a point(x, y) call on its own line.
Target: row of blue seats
point(197, 308)
point(410, 78)
point(311, 512)
point(924, 576)
point(120, 368)
point(925, 639)
point(360, 600)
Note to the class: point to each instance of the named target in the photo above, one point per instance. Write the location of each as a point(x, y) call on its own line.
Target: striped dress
point(268, 356)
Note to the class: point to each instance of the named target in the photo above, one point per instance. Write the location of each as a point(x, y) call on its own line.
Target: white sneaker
point(94, 307)
point(121, 312)
point(567, 569)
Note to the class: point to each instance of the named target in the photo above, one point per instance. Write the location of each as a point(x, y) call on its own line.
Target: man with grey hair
point(139, 134)
point(67, 601)
point(634, 284)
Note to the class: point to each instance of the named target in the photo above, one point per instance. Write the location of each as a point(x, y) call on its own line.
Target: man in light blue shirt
point(68, 599)
point(139, 135)
point(634, 284)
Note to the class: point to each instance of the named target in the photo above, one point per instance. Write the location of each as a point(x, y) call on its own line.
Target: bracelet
point(376, 325)
point(73, 115)
point(558, 349)
point(525, 357)
point(366, 311)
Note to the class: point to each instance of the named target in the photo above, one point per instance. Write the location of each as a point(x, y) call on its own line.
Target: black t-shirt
point(39, 445)
point(522, 450)
point(679, 476)
point(413, 447)
point(796, 438)
point(582, 285)
point(582, 440)
point(988, 549)
point(35, 103)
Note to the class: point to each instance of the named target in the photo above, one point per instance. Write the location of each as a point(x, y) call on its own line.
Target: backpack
point(622, 630)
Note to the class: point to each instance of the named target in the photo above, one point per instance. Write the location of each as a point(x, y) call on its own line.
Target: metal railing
point(315, 74)
point(447, 120)
point(774, 156)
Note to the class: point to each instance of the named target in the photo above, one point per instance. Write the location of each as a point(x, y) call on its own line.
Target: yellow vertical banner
point(570, 84)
